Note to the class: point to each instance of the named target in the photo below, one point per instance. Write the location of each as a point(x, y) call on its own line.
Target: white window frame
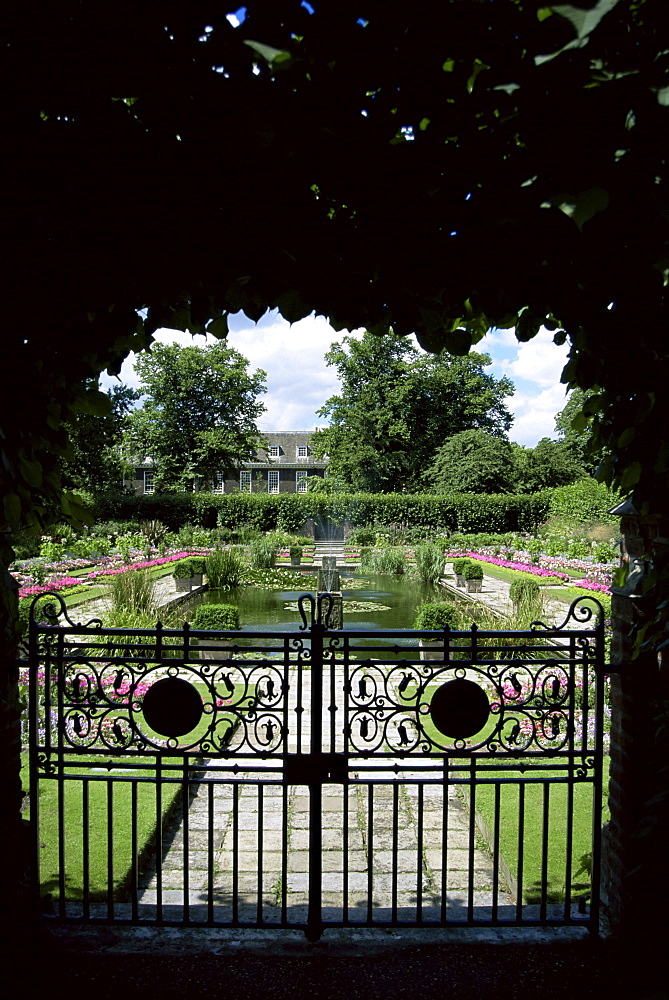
point(272, 480)
point(219, 483)
point(273, 451)
point(149, 481)
point(245, 480)
point(302, 451)
point(301, 484)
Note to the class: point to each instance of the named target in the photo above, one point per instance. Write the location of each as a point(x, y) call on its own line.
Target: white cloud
point(534, 414)
point(534, 368)
point(539, 360)
point(299, 382)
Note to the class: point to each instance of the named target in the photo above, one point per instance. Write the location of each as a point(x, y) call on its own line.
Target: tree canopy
point(549, 463)
point(96, 459)
point(573, 430)
point(397, 406)
point(472, 461)
point(435, 168)
point(198, 417)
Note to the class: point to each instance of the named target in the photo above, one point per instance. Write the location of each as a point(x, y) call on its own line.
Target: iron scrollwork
point(93, 693)
point(477, 700)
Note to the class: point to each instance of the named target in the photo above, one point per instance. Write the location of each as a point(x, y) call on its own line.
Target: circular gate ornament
point(459, 709)
point(172, 707)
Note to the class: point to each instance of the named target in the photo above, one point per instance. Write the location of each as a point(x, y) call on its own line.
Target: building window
point(301, 481)
point(273, 451)
point(302, 451)
point(149, 483)
point(273, 481)
point(219, 483)
point(245, 481)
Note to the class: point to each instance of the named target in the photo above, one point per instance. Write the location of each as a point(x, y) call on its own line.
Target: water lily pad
point(348, 606)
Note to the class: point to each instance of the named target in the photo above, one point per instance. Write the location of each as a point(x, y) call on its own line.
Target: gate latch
point(315, 768)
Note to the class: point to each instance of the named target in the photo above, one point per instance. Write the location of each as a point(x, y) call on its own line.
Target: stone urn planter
point(295, 555)
point(473, 574)
point(459, 570)
point(219, 649)
point(431, 650)
point(187, 574)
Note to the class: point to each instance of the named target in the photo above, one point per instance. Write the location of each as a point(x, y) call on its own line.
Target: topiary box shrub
point(432, 618)
point(524, 590)
point(187, 573)
point(459, 569)
point(215, 618)
point(473, 574)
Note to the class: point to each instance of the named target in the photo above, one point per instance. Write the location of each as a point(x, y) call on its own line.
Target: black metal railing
point(317, 778)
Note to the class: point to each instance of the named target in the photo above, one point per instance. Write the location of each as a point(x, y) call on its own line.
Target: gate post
point(14, 831)
point(636, 858)
point(315, 915)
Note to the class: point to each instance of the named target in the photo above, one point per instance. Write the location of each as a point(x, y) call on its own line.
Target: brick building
point(282, 467)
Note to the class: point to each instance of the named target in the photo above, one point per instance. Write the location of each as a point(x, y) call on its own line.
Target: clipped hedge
point(584, 501)
point(463, 512)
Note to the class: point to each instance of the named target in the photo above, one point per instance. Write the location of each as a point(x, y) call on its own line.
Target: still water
point(267, 609)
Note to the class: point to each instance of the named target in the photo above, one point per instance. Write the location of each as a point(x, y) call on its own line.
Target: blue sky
point(299, 381)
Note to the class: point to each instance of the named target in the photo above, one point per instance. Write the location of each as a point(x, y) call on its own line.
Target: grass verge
point(544, 801)
point(108, 856)
point(97, 840)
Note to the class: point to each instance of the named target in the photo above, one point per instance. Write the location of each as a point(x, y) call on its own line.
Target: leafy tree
point(549, 463)
point(464, 217)
point(472, 461)
point(396, 407)
point(96, 460)
point(199, 414)
point(573, 426)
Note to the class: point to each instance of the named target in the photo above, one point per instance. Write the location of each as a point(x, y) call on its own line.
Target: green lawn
point(109, 872)
point(504, 573)
point(536, 802)
point(111, 781)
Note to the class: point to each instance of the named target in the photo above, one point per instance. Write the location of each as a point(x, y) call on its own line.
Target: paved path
point(394, 847)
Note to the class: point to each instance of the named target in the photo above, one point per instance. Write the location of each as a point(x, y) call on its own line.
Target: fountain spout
point(328, 576)
point(329, 583)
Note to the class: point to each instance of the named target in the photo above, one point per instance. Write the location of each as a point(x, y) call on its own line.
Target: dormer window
point(302, 451)
point(273, 451)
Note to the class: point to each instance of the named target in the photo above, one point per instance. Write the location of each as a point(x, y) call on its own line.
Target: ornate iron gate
point(317, 778)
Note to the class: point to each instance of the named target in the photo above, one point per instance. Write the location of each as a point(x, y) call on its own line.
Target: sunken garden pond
point(370, 601)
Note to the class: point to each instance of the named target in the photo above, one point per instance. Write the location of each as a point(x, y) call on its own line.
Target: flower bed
point(104, 567)
point(598, 575)
point(511, 564)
